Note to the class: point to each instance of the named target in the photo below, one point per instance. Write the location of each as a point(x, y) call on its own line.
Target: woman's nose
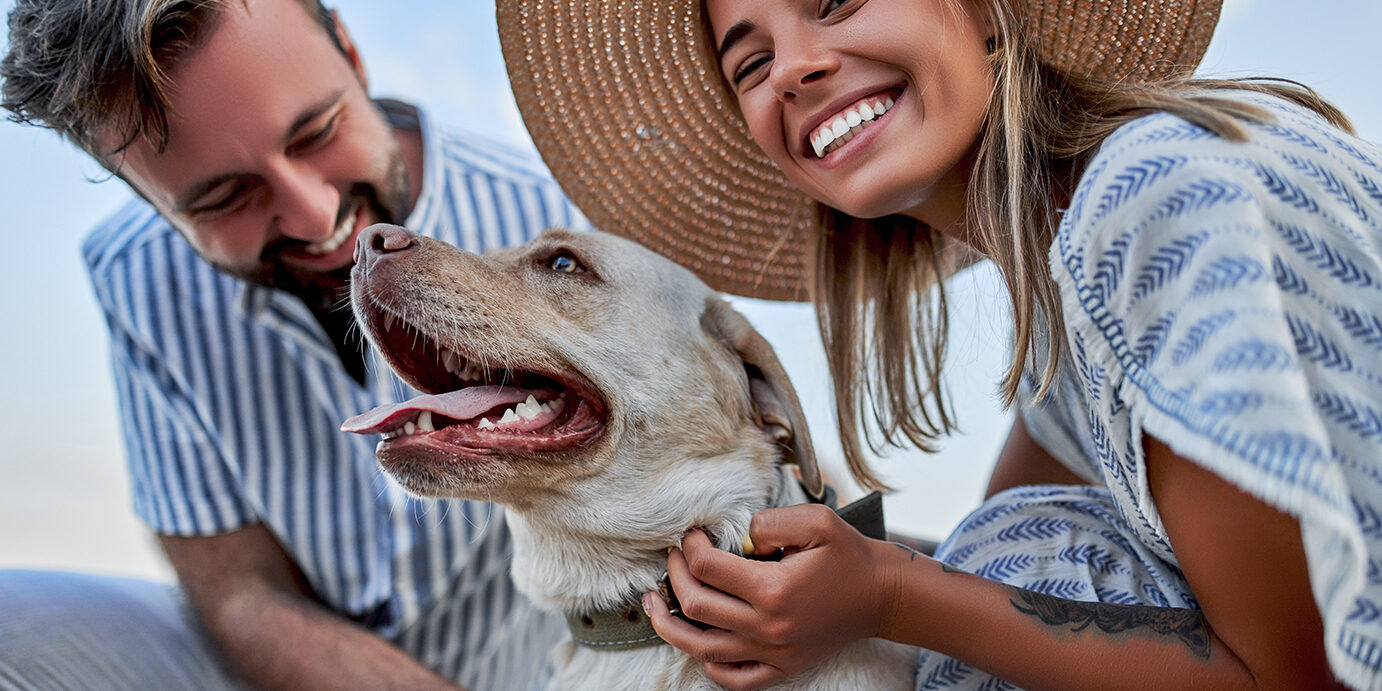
point(796, 68)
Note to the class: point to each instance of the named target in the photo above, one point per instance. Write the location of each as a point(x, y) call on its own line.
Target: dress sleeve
point(1226, 299)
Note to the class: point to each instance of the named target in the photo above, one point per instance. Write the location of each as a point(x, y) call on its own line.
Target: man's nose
point(307, 206)
point(379, 241)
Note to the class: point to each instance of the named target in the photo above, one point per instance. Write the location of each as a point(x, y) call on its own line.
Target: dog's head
point(578, 366)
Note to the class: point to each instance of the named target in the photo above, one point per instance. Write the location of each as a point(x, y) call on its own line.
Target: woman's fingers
point(708, 645)
point(699, 600)
point(743, 676)
point(790, 527)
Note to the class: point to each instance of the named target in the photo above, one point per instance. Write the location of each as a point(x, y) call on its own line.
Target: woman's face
point(873, 107)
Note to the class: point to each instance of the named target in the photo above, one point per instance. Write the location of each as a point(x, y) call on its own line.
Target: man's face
point(276, 157)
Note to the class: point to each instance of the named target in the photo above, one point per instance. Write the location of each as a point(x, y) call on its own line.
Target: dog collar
point(627, 627)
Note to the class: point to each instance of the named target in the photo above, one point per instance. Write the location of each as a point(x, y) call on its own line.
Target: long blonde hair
point(878, 283)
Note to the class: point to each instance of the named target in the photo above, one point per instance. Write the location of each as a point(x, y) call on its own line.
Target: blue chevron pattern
point(1224, 297)
point(1287, 278)
point(1325, 257)
point(948, 673)
point(1254, 355)
point(1150, 341)
point(1367, 328)
point(1226, 273)
point(1197, 334)
point(1165, 264)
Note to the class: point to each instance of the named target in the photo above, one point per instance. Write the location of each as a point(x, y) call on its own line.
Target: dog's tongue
point(457, 405)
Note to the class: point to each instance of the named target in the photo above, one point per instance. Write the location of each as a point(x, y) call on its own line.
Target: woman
point(1195, 274)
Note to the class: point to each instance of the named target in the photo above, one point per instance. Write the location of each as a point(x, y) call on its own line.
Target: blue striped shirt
point(231, 395)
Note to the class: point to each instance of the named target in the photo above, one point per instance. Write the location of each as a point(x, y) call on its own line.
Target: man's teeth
point(832, 135)
point(341, 235)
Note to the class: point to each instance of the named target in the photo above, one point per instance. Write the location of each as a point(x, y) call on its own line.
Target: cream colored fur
point(688, 441)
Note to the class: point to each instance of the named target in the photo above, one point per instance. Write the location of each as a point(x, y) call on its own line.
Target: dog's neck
point(596, 552)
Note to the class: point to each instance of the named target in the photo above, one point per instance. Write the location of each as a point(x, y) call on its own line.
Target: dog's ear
point(774, 400)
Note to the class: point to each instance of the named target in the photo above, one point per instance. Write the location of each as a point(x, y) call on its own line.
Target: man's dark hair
point(98, 69)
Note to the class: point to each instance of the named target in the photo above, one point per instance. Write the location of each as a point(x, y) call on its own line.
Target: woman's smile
point(834, 128)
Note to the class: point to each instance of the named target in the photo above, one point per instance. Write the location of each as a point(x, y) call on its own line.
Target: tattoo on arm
point(911, 552)
point(1185, 624)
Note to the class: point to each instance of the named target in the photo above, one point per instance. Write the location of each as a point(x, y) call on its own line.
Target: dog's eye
point(564, 263)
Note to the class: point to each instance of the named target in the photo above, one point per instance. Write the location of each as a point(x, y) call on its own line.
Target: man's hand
point(256, 606)
point(774, 619)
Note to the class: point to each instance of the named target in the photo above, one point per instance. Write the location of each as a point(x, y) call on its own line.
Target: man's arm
point(255, 605)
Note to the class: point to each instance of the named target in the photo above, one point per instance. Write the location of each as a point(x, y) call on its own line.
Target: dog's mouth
point(472, 407)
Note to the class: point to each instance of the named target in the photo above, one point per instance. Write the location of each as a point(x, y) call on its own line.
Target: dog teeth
point(527, 410)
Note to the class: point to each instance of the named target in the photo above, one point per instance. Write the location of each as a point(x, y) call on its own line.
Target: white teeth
point(424, 422)
point(409, 428)
point(341, 235)
point(509, 416)
point(485, 423)
point(471, 370)
point(528, 409)
point(832, 135)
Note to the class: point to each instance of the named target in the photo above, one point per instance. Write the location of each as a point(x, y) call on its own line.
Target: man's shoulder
point(132, 227)
point(135, 248)
point(466, 151)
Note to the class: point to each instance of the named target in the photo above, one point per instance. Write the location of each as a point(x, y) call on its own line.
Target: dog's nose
point(381, 239)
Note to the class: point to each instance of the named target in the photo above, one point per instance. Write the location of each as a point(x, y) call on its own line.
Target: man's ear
point(775, 403)
point(348, 47)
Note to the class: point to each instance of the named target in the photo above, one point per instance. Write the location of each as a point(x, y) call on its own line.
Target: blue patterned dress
point(1226, 299)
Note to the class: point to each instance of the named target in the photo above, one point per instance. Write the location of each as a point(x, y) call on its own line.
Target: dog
point(611, 401)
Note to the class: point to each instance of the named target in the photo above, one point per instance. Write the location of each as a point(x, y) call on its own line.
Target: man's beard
point(328, 289)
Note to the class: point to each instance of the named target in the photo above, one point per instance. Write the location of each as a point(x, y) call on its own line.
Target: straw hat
point(624, 101)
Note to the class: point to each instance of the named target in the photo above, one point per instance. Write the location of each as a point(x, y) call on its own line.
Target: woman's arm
point(1024, 462)
point(1259, 627)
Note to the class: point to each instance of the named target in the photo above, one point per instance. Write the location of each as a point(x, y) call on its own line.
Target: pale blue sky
point(63, 493)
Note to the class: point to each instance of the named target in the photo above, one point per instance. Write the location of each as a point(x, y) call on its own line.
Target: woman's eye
point(748, 68)
point(564, 263)
point(830, 6)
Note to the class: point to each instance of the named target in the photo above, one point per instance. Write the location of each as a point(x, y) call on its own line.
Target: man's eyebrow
point(311, 113)
point(735, 34)
point(305, 118)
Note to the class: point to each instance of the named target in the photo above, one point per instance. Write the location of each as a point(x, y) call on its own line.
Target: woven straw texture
point(624, 102)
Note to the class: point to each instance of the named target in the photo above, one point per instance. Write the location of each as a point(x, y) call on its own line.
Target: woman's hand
point(774, 619)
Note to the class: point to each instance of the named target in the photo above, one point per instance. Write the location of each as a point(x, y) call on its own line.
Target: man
point(246, 127)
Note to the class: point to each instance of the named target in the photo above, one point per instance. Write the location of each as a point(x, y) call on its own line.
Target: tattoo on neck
point(1185, 624)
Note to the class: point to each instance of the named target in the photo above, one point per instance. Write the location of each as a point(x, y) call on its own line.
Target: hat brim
point(624, 101)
